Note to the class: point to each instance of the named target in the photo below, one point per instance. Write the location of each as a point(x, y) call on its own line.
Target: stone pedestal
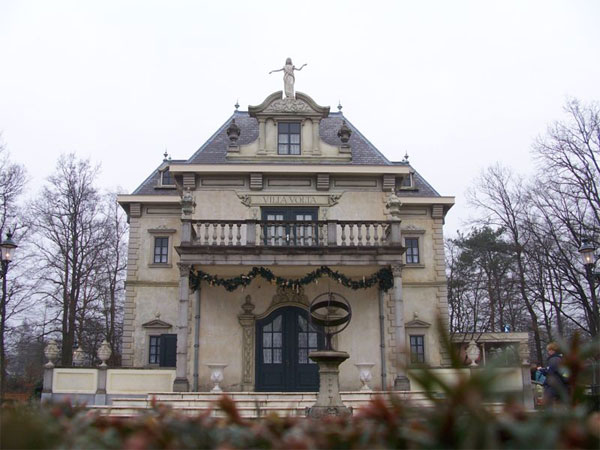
point(329, 402)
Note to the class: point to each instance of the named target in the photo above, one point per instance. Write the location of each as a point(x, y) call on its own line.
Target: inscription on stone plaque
point(289, 200)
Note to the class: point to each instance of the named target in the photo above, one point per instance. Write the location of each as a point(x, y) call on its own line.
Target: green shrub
point(459, 419)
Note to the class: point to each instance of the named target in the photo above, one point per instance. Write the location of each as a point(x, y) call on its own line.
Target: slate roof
point(214, 151)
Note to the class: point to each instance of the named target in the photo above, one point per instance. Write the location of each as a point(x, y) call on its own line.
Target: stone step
point(249, 404)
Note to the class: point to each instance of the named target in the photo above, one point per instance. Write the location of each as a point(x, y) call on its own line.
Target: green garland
point(383, 278)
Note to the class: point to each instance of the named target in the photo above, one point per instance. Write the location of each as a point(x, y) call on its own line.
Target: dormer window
point(406, 182)
point(165, 178)
point(288, 138)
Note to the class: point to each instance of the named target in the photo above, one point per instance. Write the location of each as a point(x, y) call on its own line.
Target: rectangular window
point(417, 349)
point(161, 250)
point(288, 138)
point(167, 180)
point(163, 350)
point(412, 250)
point(154, 350)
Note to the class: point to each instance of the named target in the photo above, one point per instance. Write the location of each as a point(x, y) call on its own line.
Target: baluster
point(214, 242)
point(351, 233)
point(343, 225)
point(368, 234)
point(230, 234)
point(238, 236)
point(221, 234)
point(359, 233)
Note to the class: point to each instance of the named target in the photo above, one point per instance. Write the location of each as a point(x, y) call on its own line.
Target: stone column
point(181, 383)
point(401, 383)
point(247, 321)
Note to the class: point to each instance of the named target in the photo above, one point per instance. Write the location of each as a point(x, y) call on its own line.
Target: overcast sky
point(457, 85)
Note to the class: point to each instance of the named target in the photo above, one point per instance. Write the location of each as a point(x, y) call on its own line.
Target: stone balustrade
point(322, 233)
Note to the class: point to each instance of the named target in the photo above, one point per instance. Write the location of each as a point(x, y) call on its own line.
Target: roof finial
point(165, 155)
point(237, 104)
point(339, 107)
point(405, 160)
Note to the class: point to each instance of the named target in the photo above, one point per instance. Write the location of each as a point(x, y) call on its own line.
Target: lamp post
point(588, 258)
point(8, 247)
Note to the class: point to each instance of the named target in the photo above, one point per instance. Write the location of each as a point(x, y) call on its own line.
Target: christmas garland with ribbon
point(383, 278)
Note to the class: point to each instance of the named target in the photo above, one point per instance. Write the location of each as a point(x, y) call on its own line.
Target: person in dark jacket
point(555, 384)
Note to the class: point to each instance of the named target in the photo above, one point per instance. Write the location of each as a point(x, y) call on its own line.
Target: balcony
point(255, 241)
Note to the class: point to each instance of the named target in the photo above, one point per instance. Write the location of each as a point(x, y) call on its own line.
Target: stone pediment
point(275, 105)
point(417, 323)
point(157, 324)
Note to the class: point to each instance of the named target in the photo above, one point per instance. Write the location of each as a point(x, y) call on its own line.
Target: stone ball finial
point(344, 133)
point(233, 132)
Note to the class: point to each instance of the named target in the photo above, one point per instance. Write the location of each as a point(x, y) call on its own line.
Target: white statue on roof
point(288, 77)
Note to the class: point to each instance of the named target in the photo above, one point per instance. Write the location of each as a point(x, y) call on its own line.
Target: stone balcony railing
point(273, 234)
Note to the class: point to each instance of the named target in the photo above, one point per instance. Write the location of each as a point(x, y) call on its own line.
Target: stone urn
point(78, 356)
point(473, 353)
point(364, 372)
point(216, 375)
point(104, 353)
point(51, 353)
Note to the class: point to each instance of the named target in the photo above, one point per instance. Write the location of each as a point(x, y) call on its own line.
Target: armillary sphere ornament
point(330, 310)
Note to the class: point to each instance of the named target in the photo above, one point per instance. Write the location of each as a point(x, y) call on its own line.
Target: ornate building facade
point(285, 202)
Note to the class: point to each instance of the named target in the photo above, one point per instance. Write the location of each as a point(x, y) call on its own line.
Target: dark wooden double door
point(283, 341)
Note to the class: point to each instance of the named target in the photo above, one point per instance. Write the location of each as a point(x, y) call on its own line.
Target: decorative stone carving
point(248, 306)
point(78, 356)
point(233, 132)
point(397, 270)
point(216, 375)
point(289, 105)
point(184, 269)
point(344, 133)
point(364, 372)
point(255, 200)
point(245, 199)
point(51, 353)
point(393, 204)
point(473, 352)
point(187, 202)
point(247, 320)
point(104, 353)
point(289, 295)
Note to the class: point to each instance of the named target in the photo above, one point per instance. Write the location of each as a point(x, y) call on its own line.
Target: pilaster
point(401, 383)
point(247, 321)
point(181, 383)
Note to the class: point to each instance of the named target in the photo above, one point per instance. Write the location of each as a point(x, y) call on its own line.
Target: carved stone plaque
point(289, 200)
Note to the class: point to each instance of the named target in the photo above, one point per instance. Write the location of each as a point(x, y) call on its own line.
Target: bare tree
point(114, 264)
point(569, 196)
point(69, 222)
point(503, 198)
point(12, 184)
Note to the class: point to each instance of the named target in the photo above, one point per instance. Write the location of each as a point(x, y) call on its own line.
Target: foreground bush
point(379, 425)
point(459, 419)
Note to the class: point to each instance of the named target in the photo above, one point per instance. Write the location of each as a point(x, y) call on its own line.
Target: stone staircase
point(249, 404)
